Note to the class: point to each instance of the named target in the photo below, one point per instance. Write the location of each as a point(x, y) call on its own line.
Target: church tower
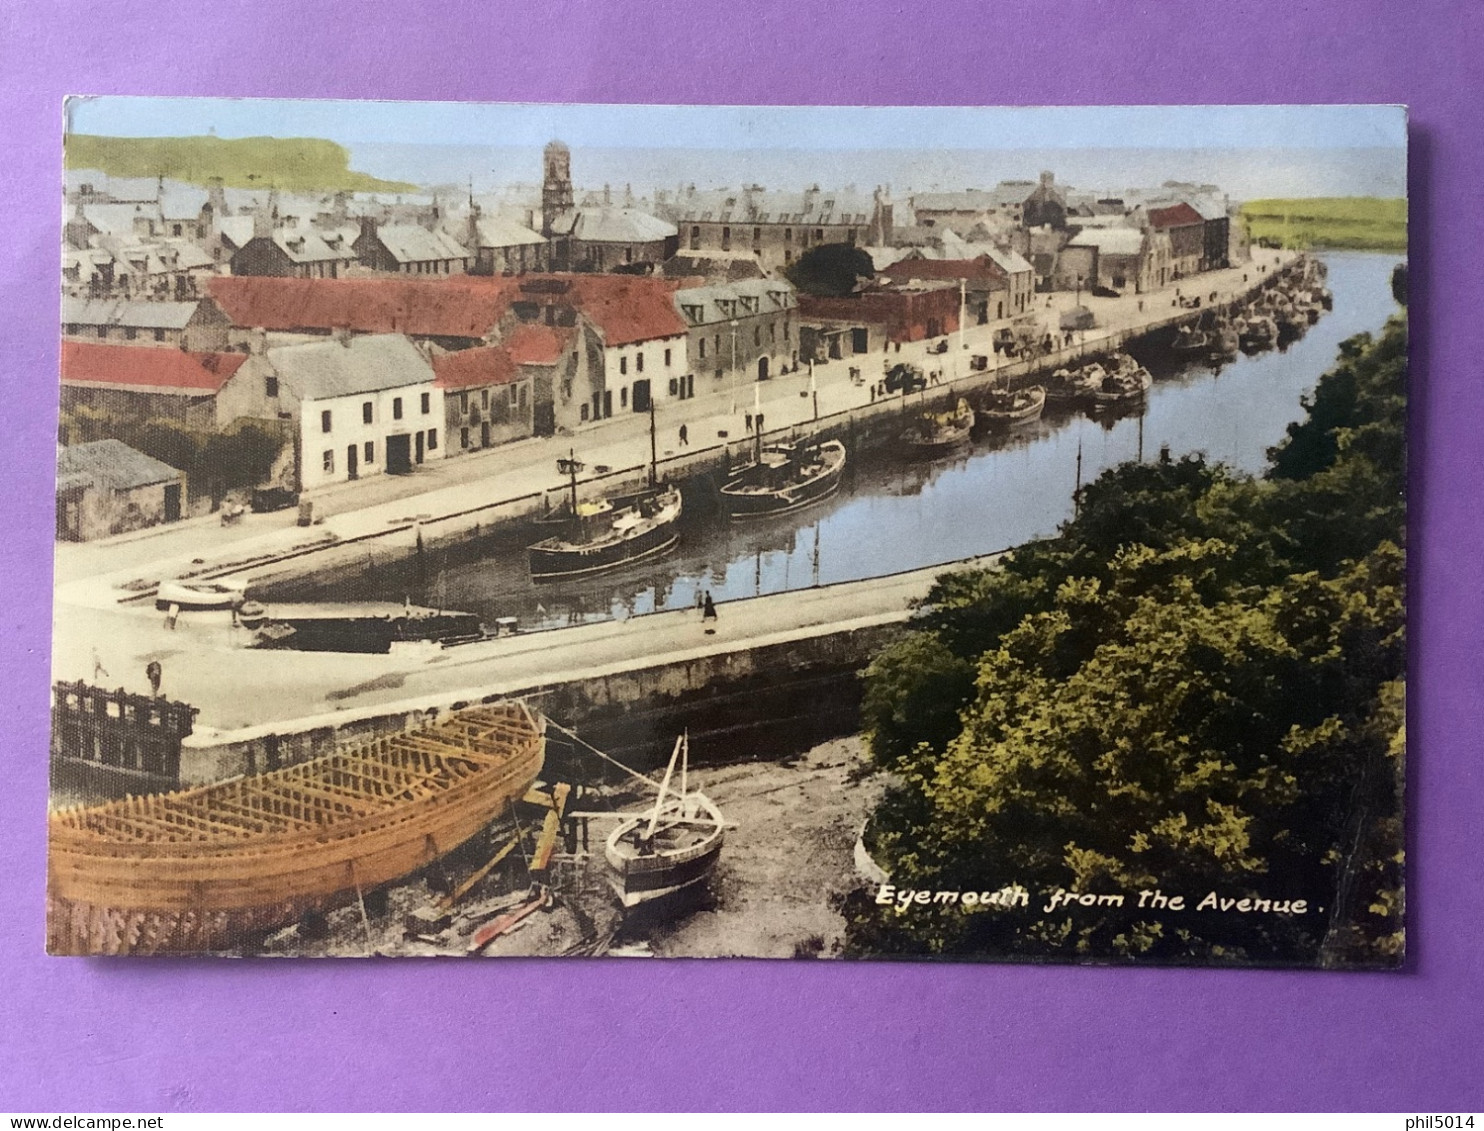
point(556, 184)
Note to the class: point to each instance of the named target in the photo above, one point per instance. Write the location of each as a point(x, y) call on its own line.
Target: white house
point(365, 405)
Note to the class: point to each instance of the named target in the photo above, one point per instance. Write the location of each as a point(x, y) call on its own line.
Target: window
point(695, 238)
point(432, 439)
point(757, 335)
point(464, 405)
point(623, 365)
point(772, 331)
point(366, 411)
point(327, 461)
point(427, 403)
point(757, 235)
point(674, 386)
point(639, 362)
point(514, 396)
point(819, 235)
point(484, 398)
point(159, 335)
point(324, 421)
point(788, 236)
point(369, 452)
point(102, 331)
point(726, 239)
point(129, 332)
point(667, 359)
point(584, 412)
point(463, 437)
point(396, 408)
point(703, 349)
point(175, 229)
point(270, 386)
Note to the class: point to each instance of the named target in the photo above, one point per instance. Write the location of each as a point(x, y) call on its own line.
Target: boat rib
point(199, 868)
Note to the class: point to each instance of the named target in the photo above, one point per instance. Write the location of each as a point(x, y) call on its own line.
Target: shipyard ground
point(773, 894)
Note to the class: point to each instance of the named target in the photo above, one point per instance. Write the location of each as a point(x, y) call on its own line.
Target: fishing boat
point(933, 433)
point(187, 594)
point(212, 867)
point(1258, 333)
point(611, 532)
point(1004, 408)
point(608, 534)
point(782, 478)
point(1225, 340)
point(1122, 387)
point(1073, 386)
point(671, 846)
point(1191, 342)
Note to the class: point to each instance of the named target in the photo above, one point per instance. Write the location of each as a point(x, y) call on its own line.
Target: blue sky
point(733, 127)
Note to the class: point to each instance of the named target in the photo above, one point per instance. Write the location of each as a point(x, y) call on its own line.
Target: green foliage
point(214, 462)
point(1360, 223)
point(830, 269)
point(294, 164)
point(1197, 686)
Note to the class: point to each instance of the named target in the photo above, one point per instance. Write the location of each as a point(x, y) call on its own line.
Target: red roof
point(980, 268)
point(471, 369)
point(147, 367)
point(536, 345)
point(500, 364)
point(460, 307)
point(1176, 216)
point(628, 308)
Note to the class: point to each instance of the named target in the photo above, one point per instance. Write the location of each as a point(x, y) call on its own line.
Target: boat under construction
point(212, 867)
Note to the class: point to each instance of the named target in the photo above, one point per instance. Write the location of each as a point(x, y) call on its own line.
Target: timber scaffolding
point(210, 867)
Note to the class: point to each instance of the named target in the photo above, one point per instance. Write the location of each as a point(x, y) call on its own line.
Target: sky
point(1356, 150)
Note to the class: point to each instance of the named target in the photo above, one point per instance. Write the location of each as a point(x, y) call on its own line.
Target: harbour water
point(894, 514)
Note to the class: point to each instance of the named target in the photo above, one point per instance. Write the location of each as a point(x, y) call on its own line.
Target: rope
point(633, 773)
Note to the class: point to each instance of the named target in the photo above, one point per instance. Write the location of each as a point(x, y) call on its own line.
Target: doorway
point(762, 368)
point(172, 502)
point(352, 462)
point(419, 447)
point(641, 396)
point(399, 454)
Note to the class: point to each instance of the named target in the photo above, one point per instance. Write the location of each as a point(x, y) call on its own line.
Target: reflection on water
point(892, 515)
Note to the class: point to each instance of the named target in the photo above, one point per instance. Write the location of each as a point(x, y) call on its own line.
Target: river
point(893, 515)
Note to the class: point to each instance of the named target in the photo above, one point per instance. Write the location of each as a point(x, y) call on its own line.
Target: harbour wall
point(778, 697)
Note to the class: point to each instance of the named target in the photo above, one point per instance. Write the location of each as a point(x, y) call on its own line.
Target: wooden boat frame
point(199, 869)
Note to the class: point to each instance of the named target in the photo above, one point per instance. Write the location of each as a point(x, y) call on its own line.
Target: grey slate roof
point(412, 243)
point(612, 225)
point(110, 464)
point(1011, 262)
point(739, 206)
point(499, 231)
point(118, 219)
point(304, 246)
point(721, 302)
point(121, 312)
point(182, 201)
point(364, 363)
point(1111, 241)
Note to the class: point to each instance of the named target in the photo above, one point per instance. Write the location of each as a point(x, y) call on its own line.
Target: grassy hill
point(289, 163)
point(1361, 223)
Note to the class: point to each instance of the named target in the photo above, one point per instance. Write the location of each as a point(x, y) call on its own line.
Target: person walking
point(708, 608)
point(684, 436)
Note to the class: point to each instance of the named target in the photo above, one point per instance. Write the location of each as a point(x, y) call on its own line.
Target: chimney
point(628, 196)
point(340, 210)
point(1048, 179)
point(368, 228)
point(216, 197)
point(262, 225)
point(607, 197)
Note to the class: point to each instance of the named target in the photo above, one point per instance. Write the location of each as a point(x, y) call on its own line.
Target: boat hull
point(639, 879)
point(744, 505)
point(252, 856)
point(555, 558)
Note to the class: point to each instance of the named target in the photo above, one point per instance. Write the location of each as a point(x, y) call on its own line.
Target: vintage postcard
point(951, 533)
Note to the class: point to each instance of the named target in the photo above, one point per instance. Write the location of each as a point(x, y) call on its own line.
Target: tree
point(1196, 686)
point(830, 269)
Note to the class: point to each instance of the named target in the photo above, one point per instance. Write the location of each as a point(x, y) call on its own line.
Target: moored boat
point(671, 846)
point(782, 478)
point(212, 867)
point(1003, 408)
point(1258, 333)
point(932, 433)
point(184, 593)
point(1122, 387)
point(1071, 386)
point(608, 535)
point(1191, 342)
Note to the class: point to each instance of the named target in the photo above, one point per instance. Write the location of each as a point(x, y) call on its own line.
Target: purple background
point(175, 1035)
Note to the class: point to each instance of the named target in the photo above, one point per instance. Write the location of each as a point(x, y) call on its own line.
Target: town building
point(875, 319)
point(1187, 234)
point(776, 227)
point(742, 331)
point(137, 382)
point(409, 249)
point(362, 405)
point(198, 326)
point(106, 487)
point(490, 393)
point(294, 253)
point(984, 288)
point(501, 246)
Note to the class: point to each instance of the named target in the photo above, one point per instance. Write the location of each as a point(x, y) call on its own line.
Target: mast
point(572, 477)
point(1077, 490)
point(654, 458)
point(654, 818)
